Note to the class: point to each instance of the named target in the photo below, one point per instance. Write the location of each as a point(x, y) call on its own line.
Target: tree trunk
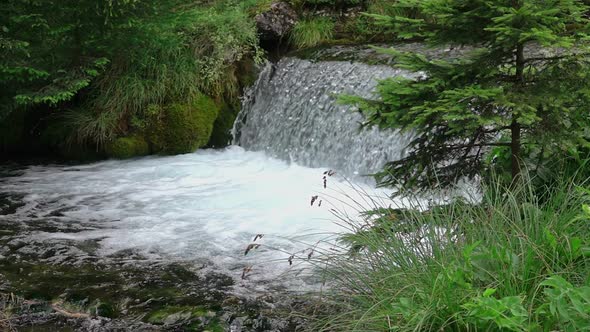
point(515, 126)
point(515, 147)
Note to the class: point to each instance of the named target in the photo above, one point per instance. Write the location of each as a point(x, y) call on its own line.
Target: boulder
point(276, 22)
point(128, 147)
point(184, 128)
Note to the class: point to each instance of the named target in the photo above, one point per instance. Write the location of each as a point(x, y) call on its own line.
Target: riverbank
point(63, 285)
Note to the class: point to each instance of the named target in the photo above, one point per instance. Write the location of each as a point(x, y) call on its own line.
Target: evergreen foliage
point(99, 65)
point(51, 50)
point(522, 87)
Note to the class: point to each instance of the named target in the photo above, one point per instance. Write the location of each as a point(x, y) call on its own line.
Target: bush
point(184, 128)
point(312, 32)
point(132, 54)
point(128, 147)
point(176, 56)
point(88, 127)
point(509, 263)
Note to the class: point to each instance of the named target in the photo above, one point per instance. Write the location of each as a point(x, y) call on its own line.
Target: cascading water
point(292, 114)
point(208, 205)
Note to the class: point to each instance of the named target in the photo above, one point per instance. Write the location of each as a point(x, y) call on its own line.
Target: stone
point(276, 22)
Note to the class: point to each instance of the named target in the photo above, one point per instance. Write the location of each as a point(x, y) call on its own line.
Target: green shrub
point(312, 32)
point(512, 262)
point(177, 55)
point(90, 127)
point(127, 147)
point(183, 128)
point(366, 28)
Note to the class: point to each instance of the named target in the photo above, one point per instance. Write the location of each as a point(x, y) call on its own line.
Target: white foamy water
point(203, 206)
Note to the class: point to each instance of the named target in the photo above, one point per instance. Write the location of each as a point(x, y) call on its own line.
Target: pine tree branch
point(462, 146)
point(527, 60)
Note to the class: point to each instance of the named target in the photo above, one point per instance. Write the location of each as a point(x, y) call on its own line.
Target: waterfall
point(292, 114)
point(207, 206)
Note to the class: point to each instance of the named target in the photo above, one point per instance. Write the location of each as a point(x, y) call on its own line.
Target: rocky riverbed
point(59, 284)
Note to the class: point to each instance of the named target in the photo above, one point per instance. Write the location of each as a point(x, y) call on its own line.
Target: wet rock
point(107, 325)
point(237, 324)
point(232, 301)
point(16, 244)
point(4, 283)
point(177, 318)
point(261, 323)
point(276, 23)
point(124, 291)
point(9, 204)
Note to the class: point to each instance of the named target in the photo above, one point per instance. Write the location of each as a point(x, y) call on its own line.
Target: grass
point(513, 262)
point(86, 127)
point(8, 303)
point(173, 57)
point(312, 32)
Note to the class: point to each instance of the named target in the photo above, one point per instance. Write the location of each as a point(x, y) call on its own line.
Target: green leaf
point(489, 292)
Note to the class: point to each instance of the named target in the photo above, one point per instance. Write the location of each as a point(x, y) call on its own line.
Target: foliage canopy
point(521, 87)
point(99, 65)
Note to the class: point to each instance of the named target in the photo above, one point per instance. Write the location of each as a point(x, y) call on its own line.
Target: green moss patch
point(128, 147)
point(221, 135)
point(172, 314)
point(184, 128)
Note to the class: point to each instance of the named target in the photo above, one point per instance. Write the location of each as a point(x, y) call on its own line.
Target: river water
point(208, 206)
point(205, 207)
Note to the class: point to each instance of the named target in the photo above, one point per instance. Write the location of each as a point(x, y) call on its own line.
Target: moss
point(214, 326)
point(128, 147)
point(168, 313)
point(104, 309)
point(246, 72)
point(192, 318)
point(221, 135)
point(184, 128)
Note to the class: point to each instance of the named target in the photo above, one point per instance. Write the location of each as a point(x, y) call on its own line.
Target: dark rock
point(276, 22)
point(16, 244)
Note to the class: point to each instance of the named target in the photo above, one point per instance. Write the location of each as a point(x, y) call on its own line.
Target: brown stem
point(515, 126)
point(515, 147)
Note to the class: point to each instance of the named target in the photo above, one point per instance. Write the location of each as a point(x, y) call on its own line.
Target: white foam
point(204, 205)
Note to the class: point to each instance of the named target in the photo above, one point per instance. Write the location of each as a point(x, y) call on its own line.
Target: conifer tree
point(521, 86)
point(50, 50)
